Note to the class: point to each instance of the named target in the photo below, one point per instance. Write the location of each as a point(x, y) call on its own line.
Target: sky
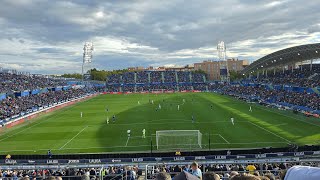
point(47, 36)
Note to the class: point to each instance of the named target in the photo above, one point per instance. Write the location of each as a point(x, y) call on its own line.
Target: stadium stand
point(302, 77)
point(159, 81)
point(292, 89)
point(295, 89)
point(10, 82)
point(13, 106)
point(183, 76)
point(23, 94)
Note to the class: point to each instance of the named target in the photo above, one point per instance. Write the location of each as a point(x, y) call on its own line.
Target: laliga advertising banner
point(78, 86)
point(275, 157)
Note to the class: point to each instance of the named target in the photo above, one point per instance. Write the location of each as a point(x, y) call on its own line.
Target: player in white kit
point(144, 133)
point(232, 120)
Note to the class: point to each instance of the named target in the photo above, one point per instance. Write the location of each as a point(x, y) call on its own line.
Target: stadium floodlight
point(87, 52)
point(178, 139)
point(224, 71)
point(221, 51)
point(87, 57)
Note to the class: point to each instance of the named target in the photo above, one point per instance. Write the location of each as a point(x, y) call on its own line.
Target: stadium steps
point(270, 86)
point(316, 90)
point(177, 81)
point(313, 76)
point(162, 77)
point(176, 77)
point(135, 78)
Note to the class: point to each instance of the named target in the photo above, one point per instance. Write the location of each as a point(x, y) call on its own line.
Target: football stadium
point(95, 96)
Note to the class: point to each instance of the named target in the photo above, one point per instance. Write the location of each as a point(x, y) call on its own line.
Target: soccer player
point(144, 133)
point(250, 109)
point(211, 107)
point(159, 106)
point(114, 118)
point(108, 120)
point(81, 114)
point(129, 132)
point(151, 101)
point(178, 107)
point(192, 117)
point(139, 102)
point(232, 120)
point(183, 100)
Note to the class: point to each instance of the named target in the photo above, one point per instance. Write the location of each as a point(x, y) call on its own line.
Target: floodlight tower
point(87, 58)
point(224, 71)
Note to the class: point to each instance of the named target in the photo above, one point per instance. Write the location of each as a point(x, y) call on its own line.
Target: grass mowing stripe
point(73, 138)
point(266, 109)
point(56, 115)
point(247, 116)
point(102, 138)
point(269, 131)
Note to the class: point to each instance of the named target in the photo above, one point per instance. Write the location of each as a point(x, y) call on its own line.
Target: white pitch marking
point(73, 138)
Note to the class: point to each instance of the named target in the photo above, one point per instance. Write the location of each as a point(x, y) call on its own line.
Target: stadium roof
point(284, 57)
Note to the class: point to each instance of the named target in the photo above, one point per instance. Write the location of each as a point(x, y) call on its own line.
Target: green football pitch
point(64, 131)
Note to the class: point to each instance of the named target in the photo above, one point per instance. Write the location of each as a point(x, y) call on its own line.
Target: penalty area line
point(127, 141)
point(224, 139)
point(72, 138)
point(269, 132)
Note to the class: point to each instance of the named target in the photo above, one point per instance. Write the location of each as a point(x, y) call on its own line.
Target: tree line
point(100, 75)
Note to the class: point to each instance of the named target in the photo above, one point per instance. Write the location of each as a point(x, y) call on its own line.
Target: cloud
point(43, 36)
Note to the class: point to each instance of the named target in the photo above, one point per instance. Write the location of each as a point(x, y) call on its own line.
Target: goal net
point(178, 139)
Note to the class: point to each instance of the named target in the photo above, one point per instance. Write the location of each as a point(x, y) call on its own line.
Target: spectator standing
point(195, 170)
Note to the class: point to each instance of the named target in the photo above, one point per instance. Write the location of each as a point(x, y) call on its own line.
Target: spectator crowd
point(194, 171)
point(156, 81)
point(296, 77)
point(21, 105)
point(10, 82)
point(262, 94)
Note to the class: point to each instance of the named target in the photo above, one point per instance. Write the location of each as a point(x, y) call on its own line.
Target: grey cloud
point(167, 26)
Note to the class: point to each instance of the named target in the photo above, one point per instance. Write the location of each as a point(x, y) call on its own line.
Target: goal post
point(178, 139)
